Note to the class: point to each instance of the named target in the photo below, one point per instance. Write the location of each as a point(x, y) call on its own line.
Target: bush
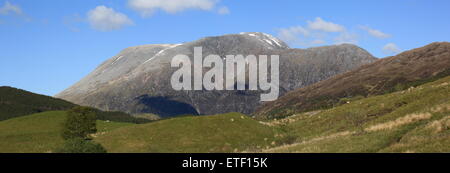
point(80, 123)
point(287, 140)
point(79, 145)
point(400, 87)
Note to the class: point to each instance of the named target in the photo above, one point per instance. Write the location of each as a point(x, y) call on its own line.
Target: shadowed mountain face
point(386, 75)
point(165, 107)
point(137, 80)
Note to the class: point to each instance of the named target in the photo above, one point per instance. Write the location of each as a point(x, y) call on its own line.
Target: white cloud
point(375, 33)
point(318, 42)
point(321, 25)
point(391, 49)
point(106, 19)
point(318, 32)
point(300, 36)
point(346, 37)
point(223, 10)
point(8, 8)
point(292, 34)
point(148, 7)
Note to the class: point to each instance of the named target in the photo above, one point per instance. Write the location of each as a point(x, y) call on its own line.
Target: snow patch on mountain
point(266, 38)
point(161, 52)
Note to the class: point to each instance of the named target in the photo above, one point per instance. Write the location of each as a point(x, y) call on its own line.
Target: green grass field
point(232, 132)
point(39, 133)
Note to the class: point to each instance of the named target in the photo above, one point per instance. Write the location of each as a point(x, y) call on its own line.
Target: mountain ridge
point(16, 102)
point(407, 69)
point(133, 79)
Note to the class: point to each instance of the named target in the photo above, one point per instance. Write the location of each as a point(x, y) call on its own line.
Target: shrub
point(80, 145)
point(400, 87)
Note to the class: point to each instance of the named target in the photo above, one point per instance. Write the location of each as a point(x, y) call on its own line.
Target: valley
point(355, 104)
point(411, 120)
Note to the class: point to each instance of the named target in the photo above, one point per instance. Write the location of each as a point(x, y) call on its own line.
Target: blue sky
point(48, 45)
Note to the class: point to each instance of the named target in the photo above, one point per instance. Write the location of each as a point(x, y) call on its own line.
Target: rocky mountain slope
point(405, 70)
point(137, 80)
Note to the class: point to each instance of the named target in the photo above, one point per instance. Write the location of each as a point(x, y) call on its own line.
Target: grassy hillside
point(16, 102)
point(39, 133)
point(117, 116)
point(387, 75)
point(413, 120)
point(232, 132)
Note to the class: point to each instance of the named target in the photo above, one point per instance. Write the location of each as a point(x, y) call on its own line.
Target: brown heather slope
point(405, 70)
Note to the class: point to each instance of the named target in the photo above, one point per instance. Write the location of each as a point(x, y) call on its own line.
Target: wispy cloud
point(297, 36)
point(374, 32)
point(223, 10)
point(147, 7)
point(320, 31)
point(322, 25)
point(107, 19)
point(318, 41)
point(9, 8)
point(391, 49)
point(292, 33)
point(346, 37)
point(316, 33)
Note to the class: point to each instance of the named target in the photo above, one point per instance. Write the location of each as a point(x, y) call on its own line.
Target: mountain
point(137, 80)
point(408, 69)
point(16, 102)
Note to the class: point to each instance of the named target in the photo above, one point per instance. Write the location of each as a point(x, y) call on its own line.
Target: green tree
point(80, 123)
